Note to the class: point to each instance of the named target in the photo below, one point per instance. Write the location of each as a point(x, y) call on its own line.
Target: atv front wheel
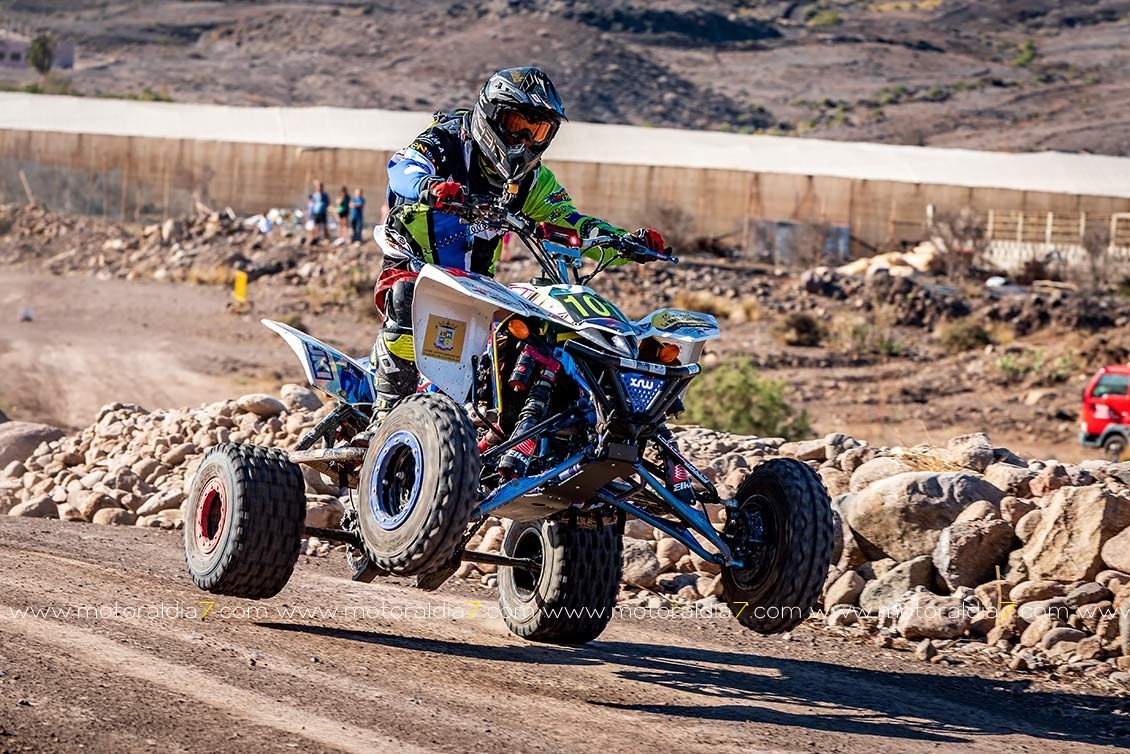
point(570, 596)
point(243, 521)
point(418, 485)
point(782, 531)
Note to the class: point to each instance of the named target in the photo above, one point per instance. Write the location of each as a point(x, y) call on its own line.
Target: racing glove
point(650, 239)
point(439, 193)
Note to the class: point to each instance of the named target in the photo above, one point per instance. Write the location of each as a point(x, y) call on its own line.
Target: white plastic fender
point(451, 318)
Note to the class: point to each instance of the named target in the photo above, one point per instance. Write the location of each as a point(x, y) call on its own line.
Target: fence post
point(1048, 230)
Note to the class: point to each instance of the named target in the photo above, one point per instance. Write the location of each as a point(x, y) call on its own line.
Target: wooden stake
point(27, 188)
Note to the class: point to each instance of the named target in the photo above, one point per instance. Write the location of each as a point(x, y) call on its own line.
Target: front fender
point(452, 313)
point(1114, 430)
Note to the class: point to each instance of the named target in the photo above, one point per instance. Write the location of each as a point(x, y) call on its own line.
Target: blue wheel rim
point(394, 487)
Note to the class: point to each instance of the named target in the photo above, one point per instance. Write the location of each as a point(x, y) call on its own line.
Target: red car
point(1106, 411)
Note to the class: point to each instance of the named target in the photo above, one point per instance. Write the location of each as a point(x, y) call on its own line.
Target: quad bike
point(541, 403)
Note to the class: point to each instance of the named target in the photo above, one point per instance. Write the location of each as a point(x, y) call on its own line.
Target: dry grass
point(1001, 333)
point(733, 309)
point(927, 461)
point(849, 333)
point(905, 6)
point(218, 275)
point(800, 329)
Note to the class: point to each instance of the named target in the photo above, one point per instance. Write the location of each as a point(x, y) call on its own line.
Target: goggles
point(519, 125)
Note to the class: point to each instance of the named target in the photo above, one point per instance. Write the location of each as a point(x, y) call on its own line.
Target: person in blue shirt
point(494, 149)
point(317, 206)
point(357, 214)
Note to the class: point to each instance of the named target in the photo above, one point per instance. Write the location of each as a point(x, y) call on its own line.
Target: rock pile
point(207, 247)
point(959, 549)
point(947, 551)
point(134, 466)
point(971, 542)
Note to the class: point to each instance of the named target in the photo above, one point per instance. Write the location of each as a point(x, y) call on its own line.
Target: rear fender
point(328, 369)
point(452, 313)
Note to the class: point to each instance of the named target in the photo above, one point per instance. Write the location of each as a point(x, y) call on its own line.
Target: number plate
point(585, 306)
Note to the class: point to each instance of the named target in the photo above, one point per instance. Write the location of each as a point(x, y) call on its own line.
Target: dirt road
point(125, 679)
point(159, 345)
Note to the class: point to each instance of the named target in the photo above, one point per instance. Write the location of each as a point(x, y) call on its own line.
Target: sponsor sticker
point(673, 319)
point(320, 363)
point(558, 196)
point(444, 338)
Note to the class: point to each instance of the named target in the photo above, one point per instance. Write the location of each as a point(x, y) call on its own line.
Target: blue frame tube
point(518, 487)
point(692, 517)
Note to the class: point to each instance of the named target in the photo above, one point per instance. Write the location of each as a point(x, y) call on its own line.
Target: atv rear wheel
point(419, 484)
point(782, 531)
point(243, 521)
point(570, 597)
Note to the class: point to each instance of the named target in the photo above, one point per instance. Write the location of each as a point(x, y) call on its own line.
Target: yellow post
point(240, 289)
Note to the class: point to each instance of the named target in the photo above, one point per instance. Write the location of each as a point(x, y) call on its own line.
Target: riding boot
point(394, 361)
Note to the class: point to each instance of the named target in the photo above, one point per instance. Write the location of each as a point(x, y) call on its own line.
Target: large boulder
point(973, 451)
point(1076, 523)
point(1036, 591)
point(968, 551)
point(806, 450)
point(844, 591)
point(872, 471)
point(641, 566)
point(91, 502)
point(19, 439)
point(299, 398)
point(928, 616)
point(669, 551)
point(879, 595)
point(1028, 524)
point(115, 516)
point(1057, 476)
point(1014, 480)
point(903, 516)
point(324, 511)
point(261, 404)
point(1116, 551)
point(163, 501)
point(835, 481)
point(846, 552)
point(40, 507)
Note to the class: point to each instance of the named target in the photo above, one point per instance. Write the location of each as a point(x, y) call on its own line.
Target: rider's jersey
point(446, 150)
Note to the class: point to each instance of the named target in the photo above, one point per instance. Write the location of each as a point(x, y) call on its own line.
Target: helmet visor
point(518, 126)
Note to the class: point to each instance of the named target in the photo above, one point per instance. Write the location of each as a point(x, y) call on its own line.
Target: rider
point(493, 149)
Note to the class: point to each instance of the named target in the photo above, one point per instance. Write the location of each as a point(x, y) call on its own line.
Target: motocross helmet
point(515, 118)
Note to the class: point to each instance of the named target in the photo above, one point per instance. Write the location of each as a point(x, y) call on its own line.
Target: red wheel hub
point(211, 514)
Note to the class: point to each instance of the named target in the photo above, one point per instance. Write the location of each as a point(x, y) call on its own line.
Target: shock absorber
point(523, 370)
point(678, 478)
point(516, 460)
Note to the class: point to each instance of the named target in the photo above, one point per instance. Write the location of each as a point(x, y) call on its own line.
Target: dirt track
point(159, 345)
point(450, 683)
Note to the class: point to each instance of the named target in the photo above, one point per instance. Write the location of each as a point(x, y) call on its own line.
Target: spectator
point(357, 215)
point(316, 208)
point(343, 205)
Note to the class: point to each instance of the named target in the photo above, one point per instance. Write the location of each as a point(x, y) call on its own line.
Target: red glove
point(439, 193)
point(650, 238)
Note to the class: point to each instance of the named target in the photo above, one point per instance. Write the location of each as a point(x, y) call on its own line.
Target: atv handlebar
point(478, 209)
point(629, 244)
